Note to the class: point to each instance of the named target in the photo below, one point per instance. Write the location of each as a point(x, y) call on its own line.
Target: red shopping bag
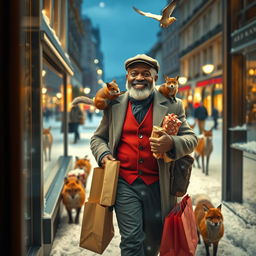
point(179, 236)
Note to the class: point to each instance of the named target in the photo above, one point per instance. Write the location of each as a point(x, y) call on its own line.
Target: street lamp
point(87, 90)
point(182, 80)
point(44, 90)
point(96, 61)
point(99, 72)
point(208, 68)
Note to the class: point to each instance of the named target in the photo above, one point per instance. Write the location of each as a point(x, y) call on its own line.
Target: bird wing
point(167, 11)
point(148, 14)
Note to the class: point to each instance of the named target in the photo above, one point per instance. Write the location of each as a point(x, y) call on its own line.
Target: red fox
point(82, 168)
point(73, 196)
point(170, 88)
point(209, 221)
point(102, 97)
point(204, 149)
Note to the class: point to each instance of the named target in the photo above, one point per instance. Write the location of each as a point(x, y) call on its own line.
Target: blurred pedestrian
point(89, 114)
point(76, 117)
point(47, 114)
point(143, 196)
point(215, 116)
point(201, 115)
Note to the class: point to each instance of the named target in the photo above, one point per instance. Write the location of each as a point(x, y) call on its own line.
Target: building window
point(251, 95)
point(54, 13)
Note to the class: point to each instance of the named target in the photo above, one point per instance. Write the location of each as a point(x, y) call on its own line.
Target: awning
point(184, 88)
point(215, 80)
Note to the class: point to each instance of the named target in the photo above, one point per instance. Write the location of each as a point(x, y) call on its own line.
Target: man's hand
point(105, 158)
point(162, 144)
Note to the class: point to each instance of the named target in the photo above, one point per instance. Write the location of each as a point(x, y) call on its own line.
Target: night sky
point(124, 33)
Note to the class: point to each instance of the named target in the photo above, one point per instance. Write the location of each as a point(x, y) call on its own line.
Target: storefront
point(210, 93)
point(239, 132)
point(34, 98)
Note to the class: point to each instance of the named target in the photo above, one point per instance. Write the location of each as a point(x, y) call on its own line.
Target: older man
point(143, 194)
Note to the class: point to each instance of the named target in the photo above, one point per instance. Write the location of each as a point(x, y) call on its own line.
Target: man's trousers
point(138, 212)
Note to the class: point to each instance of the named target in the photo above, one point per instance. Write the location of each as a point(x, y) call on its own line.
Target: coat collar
point(160, 108)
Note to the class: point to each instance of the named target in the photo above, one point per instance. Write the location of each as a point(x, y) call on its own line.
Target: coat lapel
point(118, 115)
point(160, 108)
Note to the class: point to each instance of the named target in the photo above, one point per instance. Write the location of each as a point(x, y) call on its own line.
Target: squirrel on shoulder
point(170, 88)
point(101, 100)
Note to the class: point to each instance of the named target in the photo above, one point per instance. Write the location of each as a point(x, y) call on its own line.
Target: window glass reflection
point(52, 109)
point(251, 96)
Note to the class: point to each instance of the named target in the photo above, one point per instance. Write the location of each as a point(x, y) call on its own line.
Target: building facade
point(200, 45)
point(75, 35)
point(92, 58)
point(239, 128)
point(170, 39)
point(156, 52)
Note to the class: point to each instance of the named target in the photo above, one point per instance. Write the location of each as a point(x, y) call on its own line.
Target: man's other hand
point(106, 158)
point(162, 144)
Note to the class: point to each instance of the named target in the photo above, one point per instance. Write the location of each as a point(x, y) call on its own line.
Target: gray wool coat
point(107, 136)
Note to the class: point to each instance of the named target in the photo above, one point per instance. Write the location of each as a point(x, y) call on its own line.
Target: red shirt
point(133, 152)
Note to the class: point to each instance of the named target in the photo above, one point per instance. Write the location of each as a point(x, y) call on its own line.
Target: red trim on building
point(185, 88)
point(216, 80)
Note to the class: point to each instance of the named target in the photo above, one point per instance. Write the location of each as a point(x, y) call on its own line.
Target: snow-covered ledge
point(238, 128)
point(249, 147)
point(53, 202)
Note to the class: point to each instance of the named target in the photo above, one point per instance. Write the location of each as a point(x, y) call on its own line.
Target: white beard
point(138, 94)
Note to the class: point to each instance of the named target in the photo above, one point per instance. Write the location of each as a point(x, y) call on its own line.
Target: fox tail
point(199, 197)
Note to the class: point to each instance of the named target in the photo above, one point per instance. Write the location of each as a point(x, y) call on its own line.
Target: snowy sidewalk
point(239, 239)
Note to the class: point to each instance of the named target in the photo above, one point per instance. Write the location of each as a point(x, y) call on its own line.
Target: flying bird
point(164, 19)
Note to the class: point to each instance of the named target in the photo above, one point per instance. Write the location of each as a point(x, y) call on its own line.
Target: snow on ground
point(239, 238)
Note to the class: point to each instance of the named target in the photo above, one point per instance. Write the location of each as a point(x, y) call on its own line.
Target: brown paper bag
point(111, 172)
point(160, 155)
point(96, 185)
point(97, 227)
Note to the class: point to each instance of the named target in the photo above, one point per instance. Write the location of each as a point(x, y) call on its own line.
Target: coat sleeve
point(185, 141)
point(100, 139)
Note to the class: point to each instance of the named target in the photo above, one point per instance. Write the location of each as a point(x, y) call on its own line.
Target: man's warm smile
point(139, 84)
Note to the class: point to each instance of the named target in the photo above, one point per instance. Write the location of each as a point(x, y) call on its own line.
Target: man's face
point(140, 81)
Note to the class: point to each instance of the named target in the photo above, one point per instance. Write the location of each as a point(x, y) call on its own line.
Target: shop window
point(251, 96)
point(218, 97)
point(52, 111)
point(207, 99)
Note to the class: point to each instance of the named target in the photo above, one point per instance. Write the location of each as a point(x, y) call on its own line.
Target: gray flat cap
point(142, 58)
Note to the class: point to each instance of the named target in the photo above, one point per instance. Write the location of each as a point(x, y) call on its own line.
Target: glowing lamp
point(87, 90)
point(208, 68)
point(99, 72)
point(183, 80)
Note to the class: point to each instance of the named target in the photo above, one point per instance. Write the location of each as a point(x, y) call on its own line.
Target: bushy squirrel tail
point(82, 99)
